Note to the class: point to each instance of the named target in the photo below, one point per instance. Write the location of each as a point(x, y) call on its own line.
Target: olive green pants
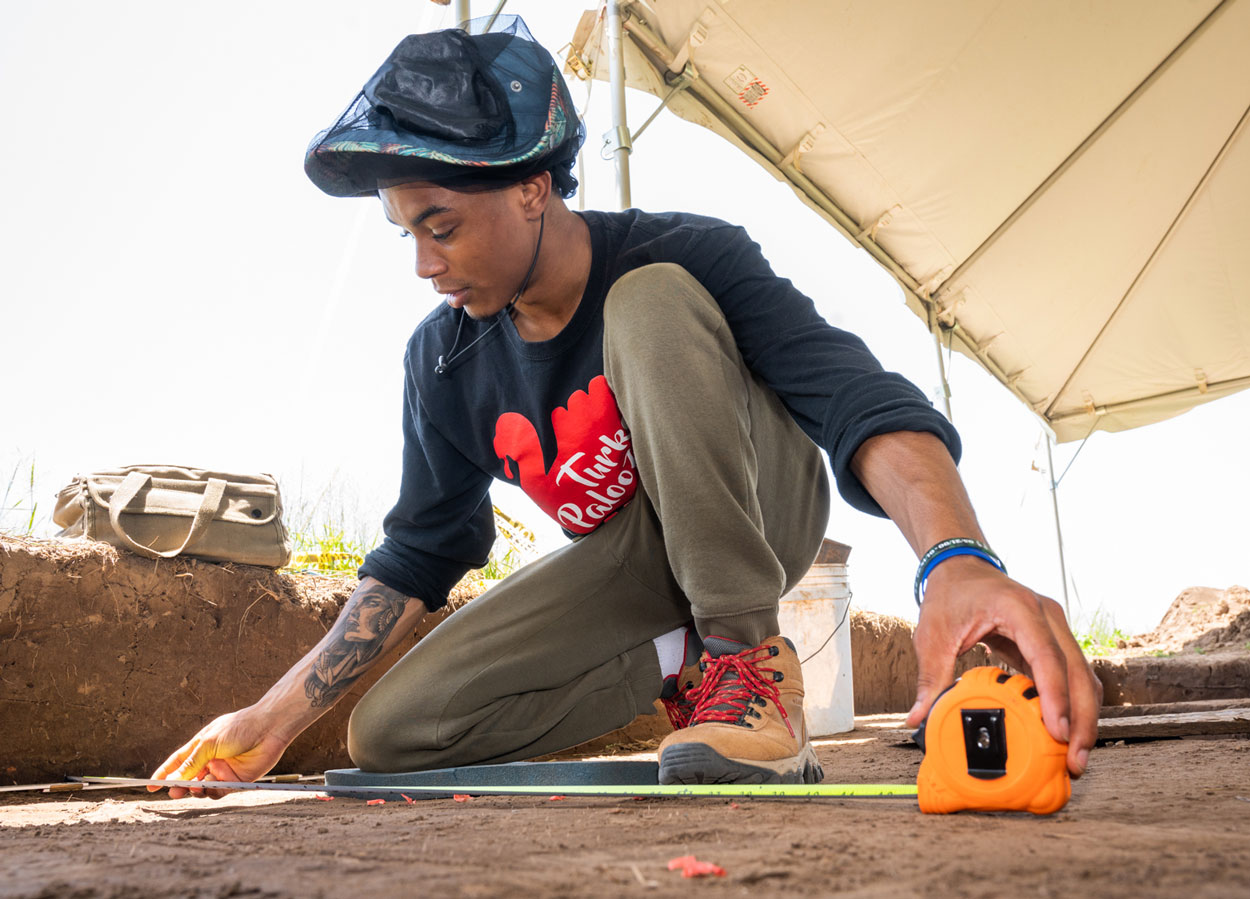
point(729, 514)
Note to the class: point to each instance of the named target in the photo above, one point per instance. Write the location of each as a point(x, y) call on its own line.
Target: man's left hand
point(969, 601)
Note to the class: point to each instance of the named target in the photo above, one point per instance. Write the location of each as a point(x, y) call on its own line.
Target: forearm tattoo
point(354, 642)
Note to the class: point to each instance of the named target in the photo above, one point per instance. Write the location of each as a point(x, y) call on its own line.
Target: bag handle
point(129, 489)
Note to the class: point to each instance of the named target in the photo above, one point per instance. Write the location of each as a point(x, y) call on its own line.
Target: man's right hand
point(246, 744)
point(234, 747)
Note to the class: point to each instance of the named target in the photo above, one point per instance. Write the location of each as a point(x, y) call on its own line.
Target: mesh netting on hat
point(463, 109)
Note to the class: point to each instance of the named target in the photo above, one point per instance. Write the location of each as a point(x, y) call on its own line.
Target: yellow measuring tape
point(792, 791)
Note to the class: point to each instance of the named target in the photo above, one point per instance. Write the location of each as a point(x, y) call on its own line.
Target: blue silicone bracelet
point(953, 548)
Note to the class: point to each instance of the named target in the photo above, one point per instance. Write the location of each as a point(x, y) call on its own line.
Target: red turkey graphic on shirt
point(593, 475)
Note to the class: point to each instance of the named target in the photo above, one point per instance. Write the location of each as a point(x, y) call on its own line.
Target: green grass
point(328, 547)
point(514, 547)
point(1098, 636)
point(499, 565)
point(18, 513)
point(328, 534)
point(328, 531)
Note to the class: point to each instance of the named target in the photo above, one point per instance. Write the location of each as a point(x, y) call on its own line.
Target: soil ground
point(1128, 831)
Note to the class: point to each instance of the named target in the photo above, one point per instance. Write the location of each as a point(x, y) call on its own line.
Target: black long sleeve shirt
point(541, 414)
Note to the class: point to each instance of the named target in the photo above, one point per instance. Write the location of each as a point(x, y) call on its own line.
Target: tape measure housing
point(987, 749)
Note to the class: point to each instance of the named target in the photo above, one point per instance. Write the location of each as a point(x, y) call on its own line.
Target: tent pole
point(462, 13)
point(618, 138)
point(1054, 498)
point(946, 387)
point(490, 23)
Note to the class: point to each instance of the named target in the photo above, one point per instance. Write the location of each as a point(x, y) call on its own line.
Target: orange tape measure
point(986, 749)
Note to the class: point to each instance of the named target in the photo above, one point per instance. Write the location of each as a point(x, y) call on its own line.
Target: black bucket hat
point(462, 109)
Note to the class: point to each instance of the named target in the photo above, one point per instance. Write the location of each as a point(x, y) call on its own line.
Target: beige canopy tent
point(1062, 188)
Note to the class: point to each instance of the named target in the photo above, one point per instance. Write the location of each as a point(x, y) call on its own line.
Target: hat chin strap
point(542, 221)
point(444, 361)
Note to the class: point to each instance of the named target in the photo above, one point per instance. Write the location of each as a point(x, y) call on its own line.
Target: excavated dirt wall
point(883, 663)
point(109, 661)
point(1199, 651)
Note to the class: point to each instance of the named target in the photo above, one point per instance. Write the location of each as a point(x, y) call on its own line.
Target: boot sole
point(698, 763)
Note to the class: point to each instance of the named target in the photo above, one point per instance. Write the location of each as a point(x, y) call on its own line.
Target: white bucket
point(815, 615)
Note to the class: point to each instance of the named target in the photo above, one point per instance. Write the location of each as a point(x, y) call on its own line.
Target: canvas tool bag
point(162, 511)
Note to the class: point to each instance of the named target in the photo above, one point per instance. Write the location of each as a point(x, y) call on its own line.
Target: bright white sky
point(173, 289)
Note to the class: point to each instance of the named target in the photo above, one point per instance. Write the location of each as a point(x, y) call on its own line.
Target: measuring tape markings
point(612, 790)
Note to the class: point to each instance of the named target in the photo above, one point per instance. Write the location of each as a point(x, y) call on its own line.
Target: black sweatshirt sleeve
point(442, 525)
point(828, 379)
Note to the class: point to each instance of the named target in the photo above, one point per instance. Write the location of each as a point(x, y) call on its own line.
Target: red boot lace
point(730, 686)
point(679, 709)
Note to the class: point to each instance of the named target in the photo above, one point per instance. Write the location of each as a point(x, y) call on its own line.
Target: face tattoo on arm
point(355, 641)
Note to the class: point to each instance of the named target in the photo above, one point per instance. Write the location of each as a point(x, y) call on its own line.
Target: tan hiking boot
point(747, 725)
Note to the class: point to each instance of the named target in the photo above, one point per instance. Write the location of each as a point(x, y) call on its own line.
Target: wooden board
point(1169, 708)
point(1183, 724)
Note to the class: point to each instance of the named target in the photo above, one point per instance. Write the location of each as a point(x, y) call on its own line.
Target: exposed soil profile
point(109, 661)
point(1203, 618)
point(883, 663)
point(1199, 651)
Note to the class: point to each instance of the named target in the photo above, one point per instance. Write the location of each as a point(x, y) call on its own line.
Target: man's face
point(474, 247)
